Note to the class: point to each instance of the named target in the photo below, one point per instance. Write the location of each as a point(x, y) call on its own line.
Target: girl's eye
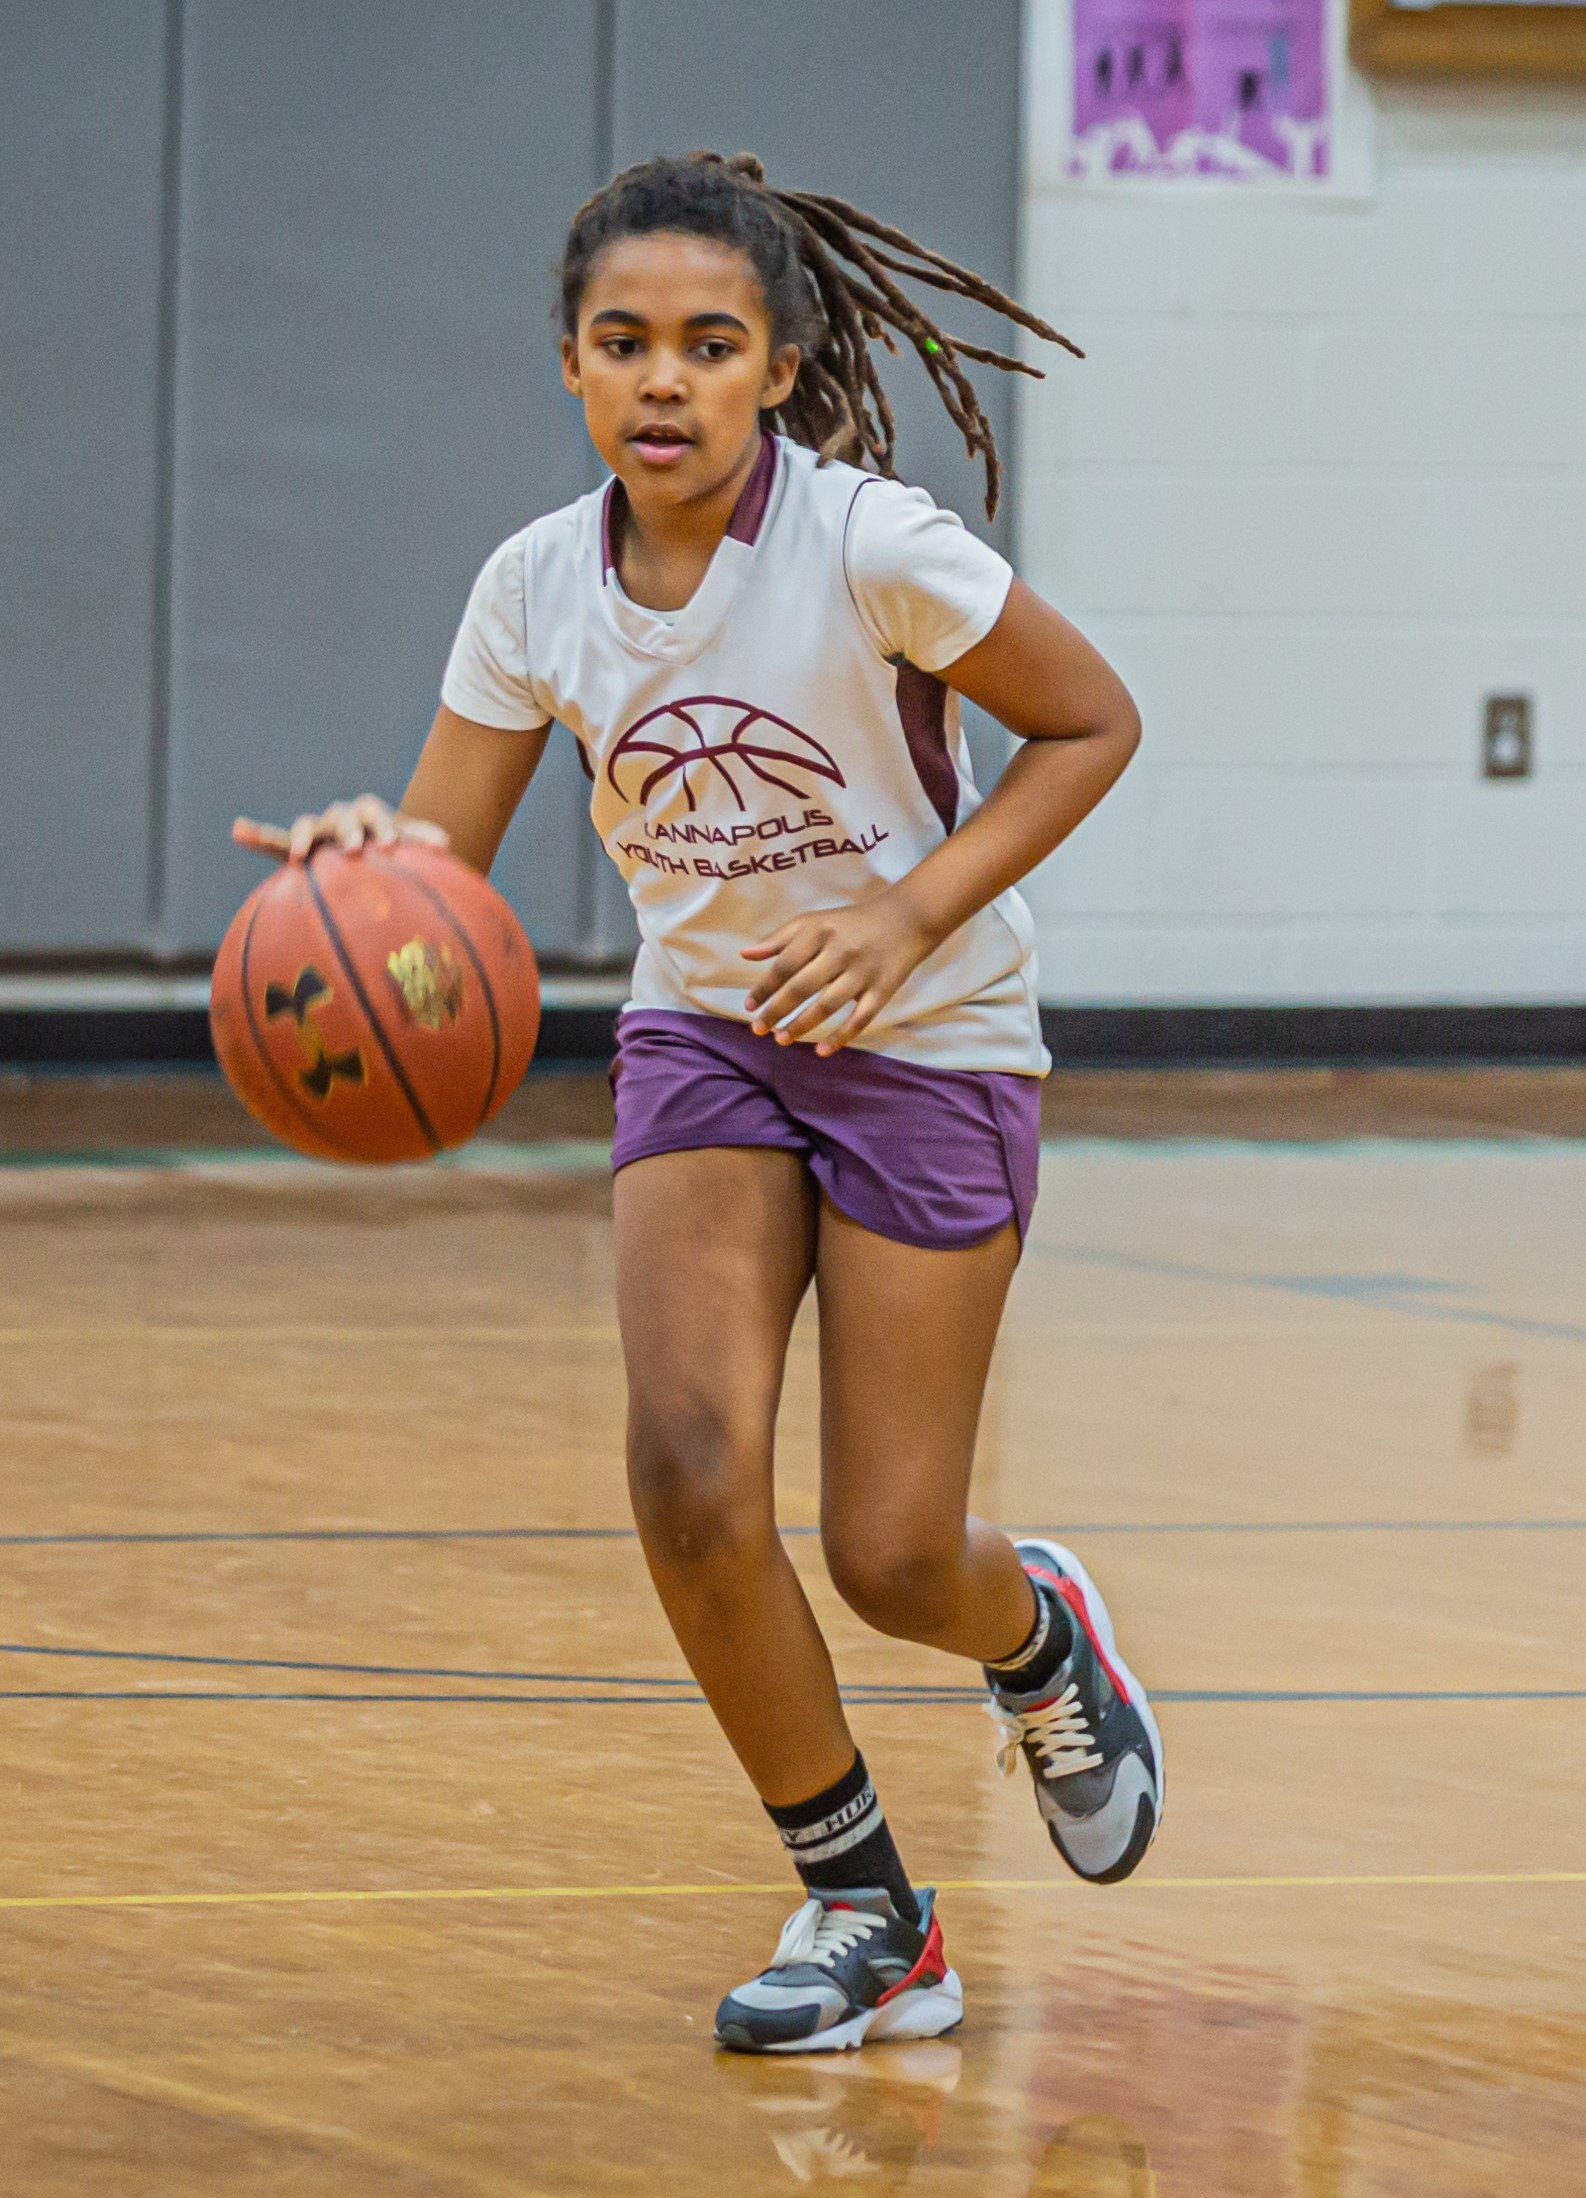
point(621, 347)
point(716, 348)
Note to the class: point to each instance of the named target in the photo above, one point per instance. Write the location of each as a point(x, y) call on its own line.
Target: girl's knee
point(699, 1488)
point(902, 1585)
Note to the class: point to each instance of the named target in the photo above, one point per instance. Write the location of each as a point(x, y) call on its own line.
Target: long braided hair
point(827, 273)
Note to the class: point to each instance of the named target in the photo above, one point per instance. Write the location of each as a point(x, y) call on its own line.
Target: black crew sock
point(1046, 1646)
point(839, 1839)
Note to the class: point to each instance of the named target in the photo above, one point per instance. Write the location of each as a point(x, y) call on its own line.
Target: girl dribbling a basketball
point(830, 1068)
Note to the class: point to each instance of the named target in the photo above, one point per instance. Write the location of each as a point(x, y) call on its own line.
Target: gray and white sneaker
point(846, 1968)
point(1088, 1735)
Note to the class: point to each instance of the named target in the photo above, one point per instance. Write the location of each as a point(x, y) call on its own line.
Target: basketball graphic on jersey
point(714, 741)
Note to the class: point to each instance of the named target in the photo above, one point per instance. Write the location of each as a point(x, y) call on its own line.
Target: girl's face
point(673, 364)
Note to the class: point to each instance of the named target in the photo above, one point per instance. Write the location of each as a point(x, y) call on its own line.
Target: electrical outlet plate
point(1506, 737)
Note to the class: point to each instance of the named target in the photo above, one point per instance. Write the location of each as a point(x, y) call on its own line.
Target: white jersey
point(780, 744)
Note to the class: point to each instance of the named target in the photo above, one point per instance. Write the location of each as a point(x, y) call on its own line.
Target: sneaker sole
point(1101, 1619)
point(927, 2012)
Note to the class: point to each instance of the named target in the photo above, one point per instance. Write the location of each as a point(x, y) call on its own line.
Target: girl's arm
point(467, 784)
point(469, 780)
point(1042, 679)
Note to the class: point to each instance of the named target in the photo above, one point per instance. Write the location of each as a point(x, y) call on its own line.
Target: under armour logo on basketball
point(310, 992)
point(704, 740)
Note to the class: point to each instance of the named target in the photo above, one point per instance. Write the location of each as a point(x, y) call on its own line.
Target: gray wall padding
point(366, 397)
point(80, 188)
point(361, 216)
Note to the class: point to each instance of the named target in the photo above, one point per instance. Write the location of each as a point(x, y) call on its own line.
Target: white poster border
point(1049, 126)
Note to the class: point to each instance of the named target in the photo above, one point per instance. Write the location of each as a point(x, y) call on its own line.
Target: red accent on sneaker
point(929, 1969)
point(1061, 1584)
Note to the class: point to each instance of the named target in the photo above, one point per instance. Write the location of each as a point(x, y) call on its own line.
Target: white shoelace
point(818, 1934)
point(1059, 1732)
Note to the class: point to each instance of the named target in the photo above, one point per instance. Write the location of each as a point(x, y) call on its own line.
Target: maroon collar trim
point(748, 514)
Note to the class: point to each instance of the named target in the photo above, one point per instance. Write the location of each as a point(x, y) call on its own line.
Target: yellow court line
point(682, 1892)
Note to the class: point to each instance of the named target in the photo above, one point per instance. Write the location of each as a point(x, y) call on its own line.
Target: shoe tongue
point(869, 1900)
point(1012, 1699)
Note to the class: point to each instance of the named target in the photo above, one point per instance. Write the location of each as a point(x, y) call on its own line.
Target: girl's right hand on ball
point(345, 824)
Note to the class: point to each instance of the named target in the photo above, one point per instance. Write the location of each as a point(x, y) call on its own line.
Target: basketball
point(374, 1007)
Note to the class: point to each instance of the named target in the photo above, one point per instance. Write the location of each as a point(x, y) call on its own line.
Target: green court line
point(491, 1156)
point(552, 1156)
point(1413, 1297)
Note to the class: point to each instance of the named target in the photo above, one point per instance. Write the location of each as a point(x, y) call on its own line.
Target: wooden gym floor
point(364, 1835)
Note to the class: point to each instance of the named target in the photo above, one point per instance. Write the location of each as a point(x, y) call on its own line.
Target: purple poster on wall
point(1235, 88)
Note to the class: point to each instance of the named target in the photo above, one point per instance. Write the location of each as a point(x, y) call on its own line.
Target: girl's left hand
point(854, 958)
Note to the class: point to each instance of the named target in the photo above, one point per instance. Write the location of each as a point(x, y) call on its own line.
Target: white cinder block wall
point(1318, 489)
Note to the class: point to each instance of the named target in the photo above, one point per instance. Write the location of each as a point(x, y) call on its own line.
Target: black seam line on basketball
point(444, 910)
point(364, 1001)
point(333, 1534)
point(293, 1099)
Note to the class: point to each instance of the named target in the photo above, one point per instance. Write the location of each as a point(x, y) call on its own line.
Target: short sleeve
point(924, 586)
point(488, 676)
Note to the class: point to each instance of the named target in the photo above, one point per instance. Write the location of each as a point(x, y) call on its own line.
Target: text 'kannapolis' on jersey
point(780, 744)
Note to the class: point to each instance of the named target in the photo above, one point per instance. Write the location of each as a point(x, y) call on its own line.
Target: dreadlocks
point(827, 271)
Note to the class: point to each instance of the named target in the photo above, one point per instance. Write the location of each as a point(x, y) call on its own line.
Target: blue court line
point(1414, 1296)
point(859, 1690)
point(685, 1689)
point(672, 1689)
point(1369, 1694)
point(897, 1697)
point(1072, 1528)
point(353, 1534)
point(211, 1694)
point(362, 1671)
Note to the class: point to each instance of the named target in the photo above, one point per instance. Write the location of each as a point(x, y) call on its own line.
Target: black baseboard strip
point(88, 1038)
point(1079, 1037)
point(178, 1037)
point(1279, 1037)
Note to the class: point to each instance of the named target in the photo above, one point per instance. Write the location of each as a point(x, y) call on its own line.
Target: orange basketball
point(377, 1006)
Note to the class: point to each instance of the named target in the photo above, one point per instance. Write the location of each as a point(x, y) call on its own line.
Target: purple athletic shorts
point(929, 1156)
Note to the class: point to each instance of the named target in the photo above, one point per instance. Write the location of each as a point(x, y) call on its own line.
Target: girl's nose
point(663, 375)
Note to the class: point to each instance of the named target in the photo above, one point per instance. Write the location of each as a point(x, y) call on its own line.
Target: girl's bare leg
point(906, 1342)
point(715, 1250)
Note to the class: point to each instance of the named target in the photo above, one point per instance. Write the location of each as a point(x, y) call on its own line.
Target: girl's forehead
point(667, 275)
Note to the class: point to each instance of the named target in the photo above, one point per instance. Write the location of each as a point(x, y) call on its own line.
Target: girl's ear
point(780, 375)
point(570, 375)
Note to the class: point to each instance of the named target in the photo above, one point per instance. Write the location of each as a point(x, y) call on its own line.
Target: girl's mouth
point(660, 446)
